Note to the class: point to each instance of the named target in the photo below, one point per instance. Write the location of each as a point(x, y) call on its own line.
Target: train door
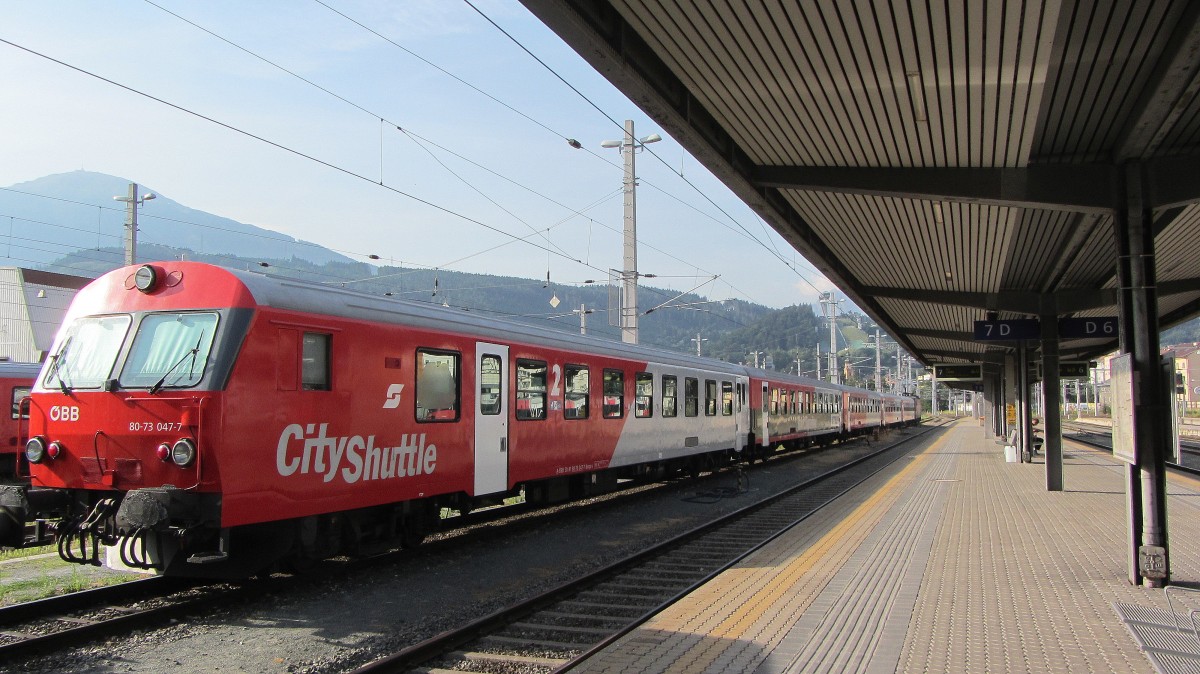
point(491, 418)
point(766, 406)
point(741, 411)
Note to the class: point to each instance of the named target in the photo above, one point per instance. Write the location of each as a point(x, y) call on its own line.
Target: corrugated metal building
point(32, 306)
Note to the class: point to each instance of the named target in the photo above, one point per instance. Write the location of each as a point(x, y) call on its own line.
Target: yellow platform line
point(845, 537)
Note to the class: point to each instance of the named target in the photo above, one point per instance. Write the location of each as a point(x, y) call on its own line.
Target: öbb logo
point(64, 413)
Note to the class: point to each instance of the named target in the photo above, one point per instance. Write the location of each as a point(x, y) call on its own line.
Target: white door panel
point(491, 418)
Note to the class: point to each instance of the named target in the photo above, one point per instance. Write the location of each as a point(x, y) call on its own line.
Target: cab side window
point(314, 362)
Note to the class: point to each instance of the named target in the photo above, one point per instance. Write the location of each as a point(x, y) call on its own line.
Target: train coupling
point(157, 508)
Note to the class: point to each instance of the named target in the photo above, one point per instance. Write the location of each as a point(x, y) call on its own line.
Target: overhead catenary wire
point(382, 119)
point(539, 123)
point(514, 239)
point(290, 150)
point(771, 249)
point(421, 140)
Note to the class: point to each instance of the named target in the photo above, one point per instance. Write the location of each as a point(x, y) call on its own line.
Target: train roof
point(298, 295)
point(280, 292)
point(12, 369)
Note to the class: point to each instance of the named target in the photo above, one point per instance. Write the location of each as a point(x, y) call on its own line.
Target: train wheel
point(416, 526)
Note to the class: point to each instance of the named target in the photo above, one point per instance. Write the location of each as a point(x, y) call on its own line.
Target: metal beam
point(1171, 181)
point(966, 356)
point(596, 30)
point(1178, 286)
point(1169, 90)
point(952, 335)
point(1021, 302)
point(1084, 188)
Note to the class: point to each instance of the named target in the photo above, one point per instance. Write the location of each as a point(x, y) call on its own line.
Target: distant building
point(1187, 372)
point(32, 306)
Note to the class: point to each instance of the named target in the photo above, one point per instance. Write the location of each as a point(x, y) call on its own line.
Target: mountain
point(59, 214)
point(69, 223)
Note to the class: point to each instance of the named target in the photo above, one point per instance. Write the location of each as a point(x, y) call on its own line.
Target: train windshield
point(170, 350)
point(86, 355)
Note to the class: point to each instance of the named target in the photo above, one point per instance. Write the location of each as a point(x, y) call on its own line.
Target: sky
point(421, 131)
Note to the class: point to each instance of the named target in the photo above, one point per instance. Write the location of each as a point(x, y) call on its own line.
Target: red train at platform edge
point(200, 421)
point(16, 380)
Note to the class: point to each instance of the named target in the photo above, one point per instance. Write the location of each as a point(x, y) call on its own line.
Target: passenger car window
point(670, 394)
point(643, 395)
point(19, 393)
point(691, 396)
point(710, 398)
point(437, 386)
point(614, 394)
point(576, 382)
point(531, 389)
point(726, 398)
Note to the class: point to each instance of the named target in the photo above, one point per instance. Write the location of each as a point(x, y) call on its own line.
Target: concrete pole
point(878, 366)
point(131, 224)
point(629, 308)
point(933, 392)
point(833, 362)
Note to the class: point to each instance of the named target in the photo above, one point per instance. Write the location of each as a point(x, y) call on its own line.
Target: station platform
point(951, 560)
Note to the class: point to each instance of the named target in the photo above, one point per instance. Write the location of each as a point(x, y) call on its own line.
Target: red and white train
point(16, 380)
point(196, 420)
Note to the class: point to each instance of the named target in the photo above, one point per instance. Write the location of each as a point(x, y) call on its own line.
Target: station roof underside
point(937, 161)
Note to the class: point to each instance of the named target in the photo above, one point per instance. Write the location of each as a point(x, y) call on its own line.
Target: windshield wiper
point(59, 360)
point(190, 352)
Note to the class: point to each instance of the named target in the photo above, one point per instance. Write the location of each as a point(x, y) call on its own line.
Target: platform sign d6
point(1100, 327)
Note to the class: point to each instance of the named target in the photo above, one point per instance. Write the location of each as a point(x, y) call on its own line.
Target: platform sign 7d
point(1021, 328)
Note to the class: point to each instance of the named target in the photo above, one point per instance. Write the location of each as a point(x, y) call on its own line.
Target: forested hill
point(730, 329)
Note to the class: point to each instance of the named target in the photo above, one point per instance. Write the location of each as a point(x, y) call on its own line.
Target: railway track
point(62, 622)
point(1101, 438)
point(551, 631)
point(69, 619)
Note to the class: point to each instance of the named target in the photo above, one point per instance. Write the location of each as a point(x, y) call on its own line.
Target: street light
point(629, 313)
point(132, 201)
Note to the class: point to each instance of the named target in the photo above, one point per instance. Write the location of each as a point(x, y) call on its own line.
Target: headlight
point(35, 450)
point(145, 278)
point(183, 452)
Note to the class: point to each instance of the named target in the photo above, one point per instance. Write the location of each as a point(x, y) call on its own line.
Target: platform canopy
point(937, 161)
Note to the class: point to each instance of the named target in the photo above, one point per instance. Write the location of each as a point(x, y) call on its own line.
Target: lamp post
point(829, 309)
point(583, 311)
point(629, 313)
point(132, 201)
